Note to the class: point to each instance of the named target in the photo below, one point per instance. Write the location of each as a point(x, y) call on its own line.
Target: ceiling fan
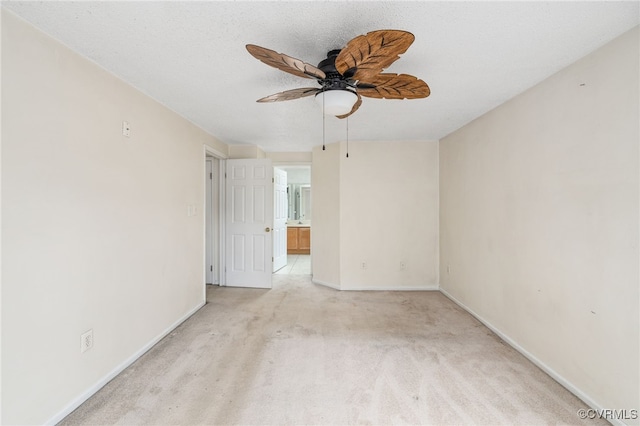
point(348, 74)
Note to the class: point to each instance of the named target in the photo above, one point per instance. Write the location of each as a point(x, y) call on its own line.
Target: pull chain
point(347, 137)
point(323, 120)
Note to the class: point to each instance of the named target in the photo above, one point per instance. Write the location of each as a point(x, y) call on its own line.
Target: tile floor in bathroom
point(297, 264)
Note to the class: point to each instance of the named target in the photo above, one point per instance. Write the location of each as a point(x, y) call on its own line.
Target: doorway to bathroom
point(296, 205)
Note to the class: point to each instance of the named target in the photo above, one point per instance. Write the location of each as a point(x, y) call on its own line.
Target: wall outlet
point(363, 265)
point(403, 265)
point(86, 341)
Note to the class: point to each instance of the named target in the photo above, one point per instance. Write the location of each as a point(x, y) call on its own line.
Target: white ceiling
point(191, 57)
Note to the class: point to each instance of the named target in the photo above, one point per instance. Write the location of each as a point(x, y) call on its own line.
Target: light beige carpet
point(306, 354)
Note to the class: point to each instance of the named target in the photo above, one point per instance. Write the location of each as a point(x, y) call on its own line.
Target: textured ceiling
point(191, 57)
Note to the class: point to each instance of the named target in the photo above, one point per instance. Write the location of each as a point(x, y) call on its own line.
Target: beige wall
point(539, 222)
point(325, 211)
point(383, 206)
point(95, 232)
point(245, 151)
point(283, 158)
point(389, 215)
point(254, 151)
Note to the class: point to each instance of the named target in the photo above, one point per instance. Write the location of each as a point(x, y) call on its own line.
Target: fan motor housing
point(329, 65)
point(333, 80)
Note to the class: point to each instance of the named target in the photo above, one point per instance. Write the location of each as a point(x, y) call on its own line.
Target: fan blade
point(373, 52)
point(288, 95)
point(354, 109)
point(395, 86)
point(285, 63)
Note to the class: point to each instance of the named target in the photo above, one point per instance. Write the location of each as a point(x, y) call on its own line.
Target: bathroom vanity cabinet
point(298, 240)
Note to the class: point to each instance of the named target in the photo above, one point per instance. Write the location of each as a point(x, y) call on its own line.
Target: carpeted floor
point(305, 354)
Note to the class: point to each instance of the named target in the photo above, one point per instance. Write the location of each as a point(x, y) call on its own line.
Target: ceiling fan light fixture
point(350, 73)
point(337, 101)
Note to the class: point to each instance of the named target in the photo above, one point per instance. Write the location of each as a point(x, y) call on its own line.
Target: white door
point(249, 217)
point(281, 213)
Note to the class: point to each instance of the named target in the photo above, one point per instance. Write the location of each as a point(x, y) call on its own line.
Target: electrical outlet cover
point(86, 341)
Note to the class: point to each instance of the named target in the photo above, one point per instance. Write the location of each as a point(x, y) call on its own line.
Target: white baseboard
point(106, 379)
point(544, 367)
point(324, 283)
point(434, 287)
point(396, 288)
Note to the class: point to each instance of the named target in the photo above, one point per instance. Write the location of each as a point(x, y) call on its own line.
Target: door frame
point(281, 238)
point(209, 152)
point(284, 165)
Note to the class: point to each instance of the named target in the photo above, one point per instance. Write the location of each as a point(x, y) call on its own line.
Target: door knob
point(267, 229)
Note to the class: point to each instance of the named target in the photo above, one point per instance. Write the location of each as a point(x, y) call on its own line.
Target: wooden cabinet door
point(298, 240)
point(304, 239)
point(292, 239)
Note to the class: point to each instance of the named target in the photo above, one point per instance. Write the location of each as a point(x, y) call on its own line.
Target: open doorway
point(298, 220)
